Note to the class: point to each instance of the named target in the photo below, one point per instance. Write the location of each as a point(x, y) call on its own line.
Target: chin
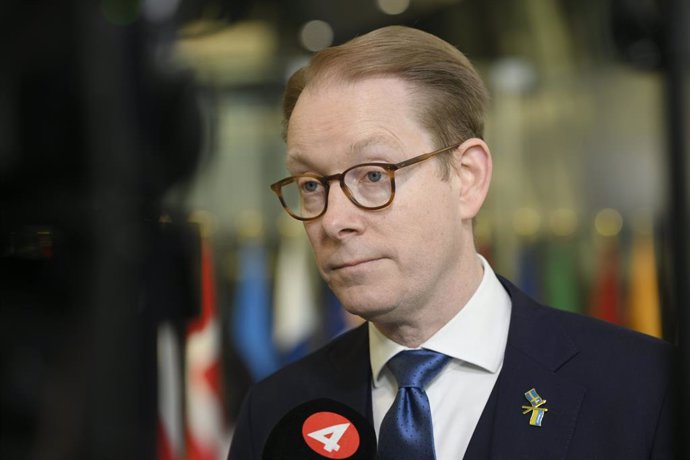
point(367, 300)
point(367, 310)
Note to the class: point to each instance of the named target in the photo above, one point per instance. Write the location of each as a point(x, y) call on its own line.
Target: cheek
point(431, 230)
point(427, 217)
point(310, 230)
point(313, 236)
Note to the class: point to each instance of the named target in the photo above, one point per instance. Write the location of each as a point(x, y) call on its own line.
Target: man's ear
point(473, 167)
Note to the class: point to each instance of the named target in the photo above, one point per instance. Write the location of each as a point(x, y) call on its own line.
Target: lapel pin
point(535, 407)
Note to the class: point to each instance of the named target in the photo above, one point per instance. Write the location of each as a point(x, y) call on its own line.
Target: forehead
point(349, 117)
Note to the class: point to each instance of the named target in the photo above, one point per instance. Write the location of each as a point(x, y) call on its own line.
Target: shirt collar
point(477, 334)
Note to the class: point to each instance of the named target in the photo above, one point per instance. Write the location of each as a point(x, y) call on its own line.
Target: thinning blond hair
point(452, 97)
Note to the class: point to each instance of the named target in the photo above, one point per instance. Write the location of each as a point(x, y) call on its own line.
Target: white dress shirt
point(475, 339)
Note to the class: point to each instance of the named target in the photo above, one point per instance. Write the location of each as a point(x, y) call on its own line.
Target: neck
point(418, 328)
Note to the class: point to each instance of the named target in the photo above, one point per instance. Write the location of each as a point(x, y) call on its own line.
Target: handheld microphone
point(321, 429)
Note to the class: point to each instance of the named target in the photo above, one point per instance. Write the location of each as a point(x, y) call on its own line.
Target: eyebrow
point(295, 159)
point(376, 139)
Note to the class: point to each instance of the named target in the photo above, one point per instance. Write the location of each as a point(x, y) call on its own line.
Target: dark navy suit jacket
point(608, 390)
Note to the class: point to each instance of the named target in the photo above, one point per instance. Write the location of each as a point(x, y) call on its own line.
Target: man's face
point(397, 264)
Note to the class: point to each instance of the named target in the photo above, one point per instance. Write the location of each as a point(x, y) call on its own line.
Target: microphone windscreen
point(321, 429)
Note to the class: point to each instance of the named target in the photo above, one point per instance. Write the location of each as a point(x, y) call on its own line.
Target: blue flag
point(252, 319)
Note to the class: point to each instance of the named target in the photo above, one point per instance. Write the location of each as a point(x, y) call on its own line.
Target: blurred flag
point(644, 313)
point(174, 295)
point(605, 301)
point(528, 273)
point(170, 396)
point(561, 282)
point(252, 316)
point(206, 435)
point(296, 318)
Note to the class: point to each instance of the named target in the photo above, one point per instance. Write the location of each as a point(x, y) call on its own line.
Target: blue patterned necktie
point(406, 430)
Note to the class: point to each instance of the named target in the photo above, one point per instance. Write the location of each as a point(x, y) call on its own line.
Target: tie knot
point(416, 368)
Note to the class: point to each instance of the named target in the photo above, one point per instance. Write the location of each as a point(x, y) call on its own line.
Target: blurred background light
point(563, 222)
point(393, 7)
point(234, 54)
point(608, 222)
point(513, 74)
point(160, 10)
point(316, 35)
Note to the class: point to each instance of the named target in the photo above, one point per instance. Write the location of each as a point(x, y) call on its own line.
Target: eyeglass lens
point(369, 186)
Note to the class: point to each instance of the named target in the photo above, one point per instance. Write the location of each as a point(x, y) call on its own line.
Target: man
point(389, 169)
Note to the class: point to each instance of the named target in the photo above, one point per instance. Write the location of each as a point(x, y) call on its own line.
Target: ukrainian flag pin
point(535, 407)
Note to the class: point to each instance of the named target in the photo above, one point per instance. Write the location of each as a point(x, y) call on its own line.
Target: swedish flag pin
point(536, 407)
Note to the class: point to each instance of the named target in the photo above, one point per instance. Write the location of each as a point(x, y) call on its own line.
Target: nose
point(342, 217)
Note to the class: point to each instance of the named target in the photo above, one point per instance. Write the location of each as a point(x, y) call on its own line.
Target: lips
point(352, 263)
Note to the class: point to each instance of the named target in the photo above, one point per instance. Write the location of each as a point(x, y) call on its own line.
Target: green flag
point(561, 275)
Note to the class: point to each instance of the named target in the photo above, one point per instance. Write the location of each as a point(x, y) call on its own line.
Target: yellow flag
point(644, 313)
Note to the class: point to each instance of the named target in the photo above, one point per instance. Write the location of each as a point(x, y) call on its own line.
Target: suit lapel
point(537, 348)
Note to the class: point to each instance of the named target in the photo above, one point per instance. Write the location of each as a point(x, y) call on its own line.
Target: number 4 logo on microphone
point(330, 435)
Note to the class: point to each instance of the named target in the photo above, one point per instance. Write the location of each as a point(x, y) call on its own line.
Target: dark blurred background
point(147, 274)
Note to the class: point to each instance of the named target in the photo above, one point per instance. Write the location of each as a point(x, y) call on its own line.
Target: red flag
point(206, 435)
point(605, 302)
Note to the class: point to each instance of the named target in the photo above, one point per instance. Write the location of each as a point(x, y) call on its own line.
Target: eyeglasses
point(368, 185)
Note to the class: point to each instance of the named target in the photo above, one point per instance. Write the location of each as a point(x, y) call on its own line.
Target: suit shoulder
point(608, 354)
point(589, 332)
point(335, 369)
point(314, 368)
point(586, 333)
